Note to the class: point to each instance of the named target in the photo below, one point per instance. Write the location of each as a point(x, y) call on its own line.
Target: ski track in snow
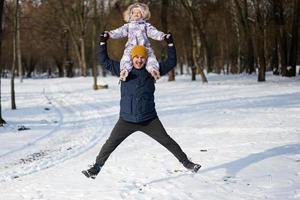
point(54, 154)
point(245, 136)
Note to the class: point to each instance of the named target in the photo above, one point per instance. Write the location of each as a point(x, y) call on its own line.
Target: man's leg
point(156, 130)
point(119, 133)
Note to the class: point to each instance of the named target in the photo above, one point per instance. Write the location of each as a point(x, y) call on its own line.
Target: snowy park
point(149, 100)
point(245, 134)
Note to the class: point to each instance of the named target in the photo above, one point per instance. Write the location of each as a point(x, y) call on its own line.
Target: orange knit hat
point(139, 50)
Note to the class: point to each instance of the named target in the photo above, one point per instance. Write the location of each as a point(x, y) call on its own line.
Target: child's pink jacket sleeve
point(153, 33)
point(120, 32)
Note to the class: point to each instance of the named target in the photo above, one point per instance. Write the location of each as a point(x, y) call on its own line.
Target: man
point(137, 107)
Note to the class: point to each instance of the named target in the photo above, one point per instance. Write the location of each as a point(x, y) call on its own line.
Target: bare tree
point(294, 39)
point(164, 23)
point(94, 62)
point(260, 38)
point(242, 9)
point(234, 36)
point(15, 52)
point(197, 21)
point(2, 121)
point(278, 12)
point(18, 40)
point(196, 55)
point(74, 17)
point(198, 30)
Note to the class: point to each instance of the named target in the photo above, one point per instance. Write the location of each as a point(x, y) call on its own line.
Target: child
point(137, 30)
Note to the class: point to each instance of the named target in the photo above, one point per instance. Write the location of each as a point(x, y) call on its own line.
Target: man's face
point(138, 62)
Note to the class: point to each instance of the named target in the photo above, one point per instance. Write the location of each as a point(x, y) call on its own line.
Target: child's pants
point(126, 61)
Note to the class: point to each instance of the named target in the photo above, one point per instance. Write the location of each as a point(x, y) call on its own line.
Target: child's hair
point(143, 7)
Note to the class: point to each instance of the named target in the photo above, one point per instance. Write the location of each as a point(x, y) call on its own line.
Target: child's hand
point(169, 38)
point(104, 37)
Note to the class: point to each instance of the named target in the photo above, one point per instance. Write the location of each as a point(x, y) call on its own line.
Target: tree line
point(59, 37)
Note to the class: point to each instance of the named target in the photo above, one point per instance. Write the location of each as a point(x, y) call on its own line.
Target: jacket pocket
point(126, 105)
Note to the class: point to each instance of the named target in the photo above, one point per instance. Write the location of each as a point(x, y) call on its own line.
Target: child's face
point(136, 14)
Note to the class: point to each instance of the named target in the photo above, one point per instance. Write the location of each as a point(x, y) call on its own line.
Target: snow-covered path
point(245, 134)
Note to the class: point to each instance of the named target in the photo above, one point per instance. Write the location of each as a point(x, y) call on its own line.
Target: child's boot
point(155, 73)
point(123, 74)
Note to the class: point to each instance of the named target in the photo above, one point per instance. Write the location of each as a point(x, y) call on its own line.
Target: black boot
point(93, 171)
point(191, 166)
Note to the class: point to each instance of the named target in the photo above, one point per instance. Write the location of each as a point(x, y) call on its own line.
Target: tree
point(294, 39)
point(196, 54)
point(260, 39)
point(198, 30)
point(244, 19)
point(18, 40)
point(278, 13)
point(193, 9)
point(94, 49)
point(15, 56)
point(234, 36)
point(74, 18)
point(164, 23)
point(2, 121)
point(94, 62)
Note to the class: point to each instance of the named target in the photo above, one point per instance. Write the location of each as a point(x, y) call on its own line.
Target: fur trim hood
point(144, 8)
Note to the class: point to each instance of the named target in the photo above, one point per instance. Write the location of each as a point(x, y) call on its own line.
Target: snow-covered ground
point(245, 134)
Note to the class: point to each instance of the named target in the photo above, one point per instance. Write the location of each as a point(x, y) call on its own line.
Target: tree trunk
point(2, 121)
point(18, 41)
point(94, 38)
point(294, 41)
point(69, 69)
point(250, 48)
point(164, 24)
point(235, 21)
point(198, 23)
point(60, 67)
point(260, 42)
point(243, 13)
point(283, 50)
point(282, 35)
point(195, 50)
point(274, 58)
point(75, 23)
point(193, 69)
point(30, 70)
point(82, 21)
point(15, 62)
point(83, 60)
point(261, 56)
point(181, 61)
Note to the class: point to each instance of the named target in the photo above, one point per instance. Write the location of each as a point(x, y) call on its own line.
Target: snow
point(245, 134)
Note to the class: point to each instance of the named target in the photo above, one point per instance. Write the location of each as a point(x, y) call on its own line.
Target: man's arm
point(109, 64)
point(171, 62)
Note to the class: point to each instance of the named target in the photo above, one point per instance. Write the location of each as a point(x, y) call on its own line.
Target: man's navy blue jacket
point(137, 92)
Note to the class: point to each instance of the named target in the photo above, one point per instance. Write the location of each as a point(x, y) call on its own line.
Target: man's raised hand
point(169, 38)
point(104, 36)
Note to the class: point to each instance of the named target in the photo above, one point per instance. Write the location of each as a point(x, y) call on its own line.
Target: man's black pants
point(153, 128)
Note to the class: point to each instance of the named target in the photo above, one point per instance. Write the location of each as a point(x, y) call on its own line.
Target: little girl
point(137, 30)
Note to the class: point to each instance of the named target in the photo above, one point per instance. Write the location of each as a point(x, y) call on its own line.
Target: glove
point(169, 38)
point(104, 36)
